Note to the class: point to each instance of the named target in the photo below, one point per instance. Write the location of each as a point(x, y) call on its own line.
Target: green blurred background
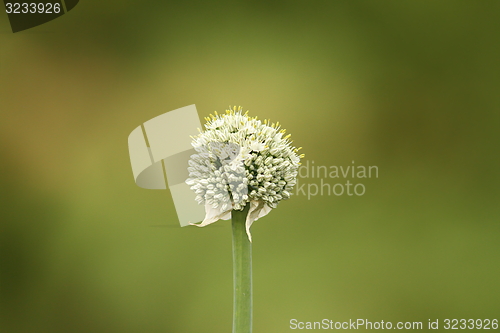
point(409, 86)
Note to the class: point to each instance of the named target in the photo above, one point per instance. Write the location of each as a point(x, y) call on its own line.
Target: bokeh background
point(409, 86)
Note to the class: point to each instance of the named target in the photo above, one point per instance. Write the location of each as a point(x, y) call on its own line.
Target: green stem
point(242, 273)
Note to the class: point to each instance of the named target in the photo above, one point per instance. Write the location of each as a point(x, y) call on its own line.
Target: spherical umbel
point(240, 161)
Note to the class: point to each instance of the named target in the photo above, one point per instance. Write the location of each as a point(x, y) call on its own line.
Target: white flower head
point(241, 161)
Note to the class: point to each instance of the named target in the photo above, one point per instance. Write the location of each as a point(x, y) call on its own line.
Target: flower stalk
point(242, 169)
point(242, 273)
